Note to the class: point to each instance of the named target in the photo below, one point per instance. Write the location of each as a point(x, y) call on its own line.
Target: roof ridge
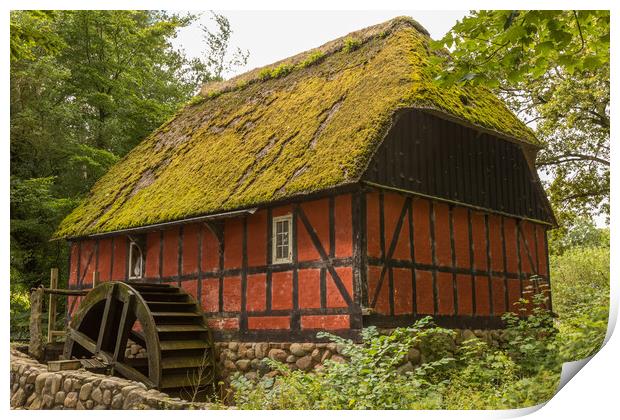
point(281, 68)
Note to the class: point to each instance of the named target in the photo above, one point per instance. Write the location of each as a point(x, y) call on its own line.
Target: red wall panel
point(282, 290)
point(153, 244)
point(403, 291)
point(424, 292)
point(445, 294)
point(170, 260)
point(343, 226)
point(373, 225)
point(232, 294)
point(382, 305)
point(514, 294)
point(223, 323)
point(528, 250)
point(88, 261)
point(269, 322)
point(309, 281)
point(104, 258)
point(257, 239)
point(210, 251)
point(510, 238)
point(210, 295)
point(483, 300)
point(191, 287)
point(541, 238)
point(334, 297)
point(479, 241)
point(495, 239)
point(499, 295)
point(191, 236)
point(256, 292)
point(317, 213)
point(393, 206)
point(324, 322)
point(464, 294)
point(233, 243)
point(461, 236)
point(73, 270)
point(443, 246)
point(422, 231)
point(119, 269)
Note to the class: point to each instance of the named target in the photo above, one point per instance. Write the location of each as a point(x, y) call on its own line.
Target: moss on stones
point(302, 125)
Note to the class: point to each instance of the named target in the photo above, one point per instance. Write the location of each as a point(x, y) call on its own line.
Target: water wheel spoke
point(107, 314)
point(84, 341)
point(124, 326)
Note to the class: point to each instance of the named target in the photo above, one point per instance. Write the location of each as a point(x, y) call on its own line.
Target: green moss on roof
point(301, 125)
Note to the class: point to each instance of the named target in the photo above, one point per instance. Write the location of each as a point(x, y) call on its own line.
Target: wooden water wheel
point(161, 318)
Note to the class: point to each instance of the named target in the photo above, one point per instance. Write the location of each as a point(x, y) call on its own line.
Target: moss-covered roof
point(301, 125)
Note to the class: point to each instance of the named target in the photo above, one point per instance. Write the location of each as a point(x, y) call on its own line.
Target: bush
point(377, 376)
point(580, 284)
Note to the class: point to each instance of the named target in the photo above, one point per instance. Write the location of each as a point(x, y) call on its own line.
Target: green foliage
point(580, 283)
point(31, 32)
point(313, 58)
point(20, 313)
point(218, 45)
point(472, 375)
point(581, 232)
point(552, 67)
point(275, 72)
point(351, 44)
point(531, 339)
point(85, 87)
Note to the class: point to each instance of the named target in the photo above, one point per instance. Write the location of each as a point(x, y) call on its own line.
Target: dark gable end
point(430, 156)
point(303, 125)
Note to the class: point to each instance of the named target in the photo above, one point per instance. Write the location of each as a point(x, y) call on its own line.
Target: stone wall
point(247, 358)
point(34, 388)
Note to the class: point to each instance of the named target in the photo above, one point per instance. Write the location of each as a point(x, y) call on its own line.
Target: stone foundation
point(34, 388)
point(247, 358)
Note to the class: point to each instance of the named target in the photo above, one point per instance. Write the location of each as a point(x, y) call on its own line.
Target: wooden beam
point(124, 326)
point(83, 340)
point(51, 316)
point(105, 317)
point(95, 279)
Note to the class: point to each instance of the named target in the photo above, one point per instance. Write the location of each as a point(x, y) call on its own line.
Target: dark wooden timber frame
point(386, 262)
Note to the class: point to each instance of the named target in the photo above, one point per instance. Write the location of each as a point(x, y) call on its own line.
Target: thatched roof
point(304, 124)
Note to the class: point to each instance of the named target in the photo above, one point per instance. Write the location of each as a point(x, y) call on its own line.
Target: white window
point(135, 261)
point(282, 239)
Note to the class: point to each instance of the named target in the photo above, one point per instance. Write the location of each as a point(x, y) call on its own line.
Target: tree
point(218, 45)
point(552, 67)
point(86, 86)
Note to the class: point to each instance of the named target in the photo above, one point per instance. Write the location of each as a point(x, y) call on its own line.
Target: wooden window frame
point(133, 245)
point(274, 241)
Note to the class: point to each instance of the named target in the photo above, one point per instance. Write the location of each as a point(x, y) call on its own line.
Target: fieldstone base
point(34, 388)
point(247, 358)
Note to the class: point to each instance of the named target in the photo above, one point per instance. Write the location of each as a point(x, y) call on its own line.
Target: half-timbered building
point(336, 189)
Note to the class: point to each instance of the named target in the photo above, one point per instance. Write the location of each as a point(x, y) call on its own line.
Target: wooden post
point(95, 279)
point(51, 315)
point(35, 347)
